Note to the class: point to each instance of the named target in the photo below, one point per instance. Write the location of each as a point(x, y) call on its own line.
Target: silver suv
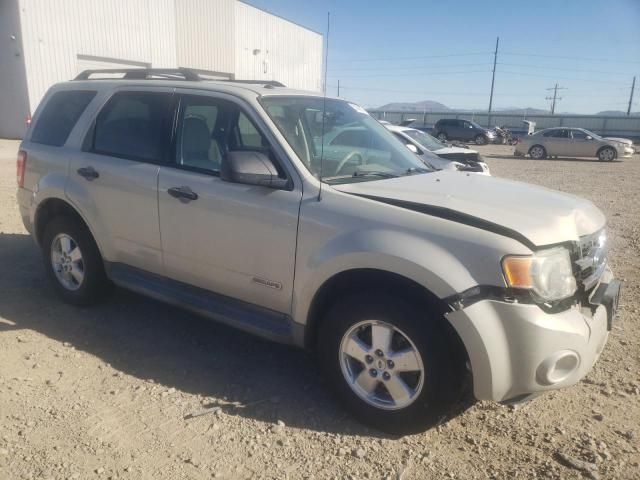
point(234, 201)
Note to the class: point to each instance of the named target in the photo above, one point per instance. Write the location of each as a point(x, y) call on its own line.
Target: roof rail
point(270, 83)
point(145, 74)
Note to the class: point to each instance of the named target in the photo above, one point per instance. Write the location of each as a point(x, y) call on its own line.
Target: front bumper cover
point(518, 349)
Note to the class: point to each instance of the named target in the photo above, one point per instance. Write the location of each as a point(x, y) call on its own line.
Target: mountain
point(425, 105)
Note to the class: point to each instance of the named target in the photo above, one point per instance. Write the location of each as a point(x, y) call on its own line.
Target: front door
point(582, 144)
point(231, 239)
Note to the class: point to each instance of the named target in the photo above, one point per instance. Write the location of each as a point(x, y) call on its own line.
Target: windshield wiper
point(374, 173)
point(414, 170)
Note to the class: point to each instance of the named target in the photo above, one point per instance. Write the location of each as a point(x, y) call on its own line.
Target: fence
point(602, 125)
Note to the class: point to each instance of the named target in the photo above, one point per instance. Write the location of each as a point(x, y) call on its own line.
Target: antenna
point(324, 106)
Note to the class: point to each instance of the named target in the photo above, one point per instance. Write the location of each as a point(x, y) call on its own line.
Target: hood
point(450, 150)
point(626, 141)
point(535, 216)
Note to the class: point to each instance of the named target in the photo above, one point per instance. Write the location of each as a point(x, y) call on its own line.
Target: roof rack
point(167, 74)
point(145, 74)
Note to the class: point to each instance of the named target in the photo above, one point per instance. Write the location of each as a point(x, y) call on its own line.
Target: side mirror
point(251, 168)
point(588, 137)
point(413, 148)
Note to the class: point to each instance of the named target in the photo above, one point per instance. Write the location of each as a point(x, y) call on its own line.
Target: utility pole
point(493, 79)
point(338, 87)
point(555, 97)
point(633, 86)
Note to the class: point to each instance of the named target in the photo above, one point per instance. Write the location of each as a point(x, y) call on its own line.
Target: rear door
point(557, 142)
point(113, 181)
point(235, 240)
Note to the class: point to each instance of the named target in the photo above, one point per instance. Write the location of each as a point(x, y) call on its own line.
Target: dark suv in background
point(463, 130)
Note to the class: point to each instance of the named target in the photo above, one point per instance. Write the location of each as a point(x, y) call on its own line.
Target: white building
point(45, 41)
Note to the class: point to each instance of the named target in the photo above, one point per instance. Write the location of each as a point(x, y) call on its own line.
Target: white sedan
point(448, 157)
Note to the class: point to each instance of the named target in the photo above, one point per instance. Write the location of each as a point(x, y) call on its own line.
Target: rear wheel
point(607, 154)
point(442, 137)
point(481, 139)
point(537, 152)
point(391, 365)
point(73, 263)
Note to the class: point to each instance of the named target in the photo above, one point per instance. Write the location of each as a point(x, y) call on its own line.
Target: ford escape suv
point(413, 286)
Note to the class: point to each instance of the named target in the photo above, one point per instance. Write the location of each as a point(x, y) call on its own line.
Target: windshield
point(424, 139)
point(594, 135)
point(354, 146)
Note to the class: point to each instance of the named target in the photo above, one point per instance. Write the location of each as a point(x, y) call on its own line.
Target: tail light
point(21, 165)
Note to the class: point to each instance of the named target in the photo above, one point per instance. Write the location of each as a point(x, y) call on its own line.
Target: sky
point(405, 51)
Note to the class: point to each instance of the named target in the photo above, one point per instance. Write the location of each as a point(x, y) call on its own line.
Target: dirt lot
point(136, 389)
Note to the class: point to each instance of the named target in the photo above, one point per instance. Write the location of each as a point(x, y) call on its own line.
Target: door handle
point(183, 192)
point(89, 173)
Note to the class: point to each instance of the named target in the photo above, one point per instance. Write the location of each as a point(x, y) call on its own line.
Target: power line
point(414, 67)
point(561, 78)
point(379, 59)
point(561, 68)
point(586, 59)
point(427, 74)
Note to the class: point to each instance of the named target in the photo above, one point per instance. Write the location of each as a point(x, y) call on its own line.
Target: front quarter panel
point(344, 232)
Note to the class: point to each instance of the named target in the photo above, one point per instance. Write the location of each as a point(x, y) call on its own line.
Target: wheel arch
point(53, 207)
point(604, 147)
point(366, 279)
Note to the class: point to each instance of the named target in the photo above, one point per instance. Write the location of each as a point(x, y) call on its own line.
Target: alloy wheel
point(381, 365)
point(67, 262)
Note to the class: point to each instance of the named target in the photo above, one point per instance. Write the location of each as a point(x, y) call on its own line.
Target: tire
point(538, 152)
point(79, 277)
point(442, 137)
point(426, 342)
point(607, 154)
point(481, 140)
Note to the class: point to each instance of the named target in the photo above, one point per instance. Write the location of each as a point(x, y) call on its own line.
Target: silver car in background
point(571, 142)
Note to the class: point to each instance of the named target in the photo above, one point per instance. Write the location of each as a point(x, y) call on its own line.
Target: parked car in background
point(571, 142)
point(464, 130)
point(447, 157)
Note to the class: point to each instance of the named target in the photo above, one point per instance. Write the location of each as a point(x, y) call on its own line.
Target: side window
point(134, 125)
point(208, 128)
point(578, 134)
point(60, 115)
point(248, 135)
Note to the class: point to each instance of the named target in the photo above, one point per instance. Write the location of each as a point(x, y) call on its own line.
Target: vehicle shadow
point(555, 159)
point(151, 340)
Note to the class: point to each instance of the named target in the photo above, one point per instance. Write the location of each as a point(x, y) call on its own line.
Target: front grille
point(461, 157)
point(592, 258)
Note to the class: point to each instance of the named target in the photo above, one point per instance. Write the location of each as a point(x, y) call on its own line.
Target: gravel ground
point(137, 389)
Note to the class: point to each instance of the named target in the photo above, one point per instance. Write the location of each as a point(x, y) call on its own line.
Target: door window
point(578, 135)
point(134, 125)
point(208, 128)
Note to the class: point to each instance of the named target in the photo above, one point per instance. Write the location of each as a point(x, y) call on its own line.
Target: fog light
point(558, 367)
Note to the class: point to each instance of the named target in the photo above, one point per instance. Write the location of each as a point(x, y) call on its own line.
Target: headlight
point(548, 273)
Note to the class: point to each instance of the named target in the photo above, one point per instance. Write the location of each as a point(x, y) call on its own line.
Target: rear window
point(60, 115)
point(133, 125)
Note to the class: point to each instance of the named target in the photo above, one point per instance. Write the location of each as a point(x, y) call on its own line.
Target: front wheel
point(442, 137)
point(391, 364)
point(481, 140)
point(607, 154)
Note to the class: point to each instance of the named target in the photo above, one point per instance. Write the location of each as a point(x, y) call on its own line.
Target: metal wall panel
point(116, 31)
point(204, 34)
point(14, 99)
point(272, 48)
